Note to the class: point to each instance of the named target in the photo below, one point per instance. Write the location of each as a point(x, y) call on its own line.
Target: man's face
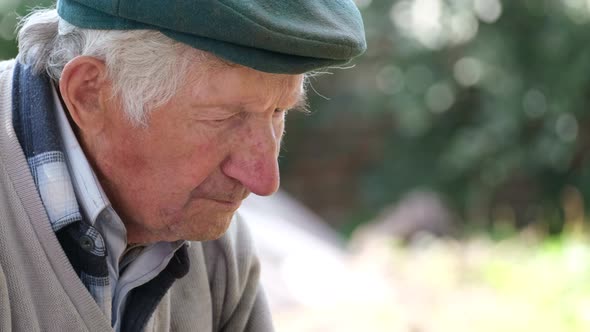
point(202, 153)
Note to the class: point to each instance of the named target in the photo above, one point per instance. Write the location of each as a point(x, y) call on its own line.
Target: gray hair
point(146, 68)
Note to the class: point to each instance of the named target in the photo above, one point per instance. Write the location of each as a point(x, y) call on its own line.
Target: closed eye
point(280, 111)
point(227, 118)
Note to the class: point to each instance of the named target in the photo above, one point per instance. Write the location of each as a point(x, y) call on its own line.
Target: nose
point(253, 160)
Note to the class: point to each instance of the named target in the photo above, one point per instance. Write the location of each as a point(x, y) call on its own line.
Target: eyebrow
point(302, 104)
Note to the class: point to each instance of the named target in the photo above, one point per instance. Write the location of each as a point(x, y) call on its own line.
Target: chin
point(213, 228)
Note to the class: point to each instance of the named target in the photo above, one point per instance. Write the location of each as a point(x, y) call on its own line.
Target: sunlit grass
point(477, 285)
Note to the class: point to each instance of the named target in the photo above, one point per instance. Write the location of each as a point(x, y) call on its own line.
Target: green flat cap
point(276, 36)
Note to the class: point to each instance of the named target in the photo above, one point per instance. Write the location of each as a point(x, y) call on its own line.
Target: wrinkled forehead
point(221, 81)
point(292, 85)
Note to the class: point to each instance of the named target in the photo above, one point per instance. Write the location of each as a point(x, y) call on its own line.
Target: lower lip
point(229, 205)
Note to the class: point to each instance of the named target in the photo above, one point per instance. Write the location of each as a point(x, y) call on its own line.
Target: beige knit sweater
point(39, 290)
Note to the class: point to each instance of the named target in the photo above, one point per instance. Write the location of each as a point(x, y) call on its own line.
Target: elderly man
point(130, 133)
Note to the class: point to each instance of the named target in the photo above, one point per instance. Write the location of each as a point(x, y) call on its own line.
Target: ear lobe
point(82, 85)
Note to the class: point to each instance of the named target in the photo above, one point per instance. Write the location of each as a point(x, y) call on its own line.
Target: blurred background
point(441, 182)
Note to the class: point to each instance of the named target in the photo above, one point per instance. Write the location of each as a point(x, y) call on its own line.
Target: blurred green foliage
point(10, 11)
point(482, 101)
point(487, 102)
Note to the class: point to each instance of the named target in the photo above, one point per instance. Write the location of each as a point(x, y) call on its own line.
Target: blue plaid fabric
point(36, 128)
point(51, 177)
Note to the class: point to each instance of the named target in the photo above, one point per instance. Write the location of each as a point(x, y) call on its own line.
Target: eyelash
point(281, 111)
point(223, 120)
point(277, 112)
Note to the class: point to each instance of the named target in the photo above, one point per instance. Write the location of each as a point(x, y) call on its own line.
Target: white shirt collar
point(88, 190)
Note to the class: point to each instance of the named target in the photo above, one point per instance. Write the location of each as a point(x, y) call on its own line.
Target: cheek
point(124, 156)
point(198, 162)
point(197, 157)
point(181, 147)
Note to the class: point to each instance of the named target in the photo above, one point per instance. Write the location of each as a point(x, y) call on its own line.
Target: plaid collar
point(34, 124)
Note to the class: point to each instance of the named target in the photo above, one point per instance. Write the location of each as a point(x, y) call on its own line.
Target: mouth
point(231, 204)
point(226, 200)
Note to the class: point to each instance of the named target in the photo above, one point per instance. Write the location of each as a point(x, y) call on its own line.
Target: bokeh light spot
point(534, 103)
point(464, 27)
point(488, 11)
point(390, 80)
point(566, 127)
point(440, 97)
point(468, 71)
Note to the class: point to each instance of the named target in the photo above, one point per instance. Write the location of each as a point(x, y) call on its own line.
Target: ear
point(83, 86)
